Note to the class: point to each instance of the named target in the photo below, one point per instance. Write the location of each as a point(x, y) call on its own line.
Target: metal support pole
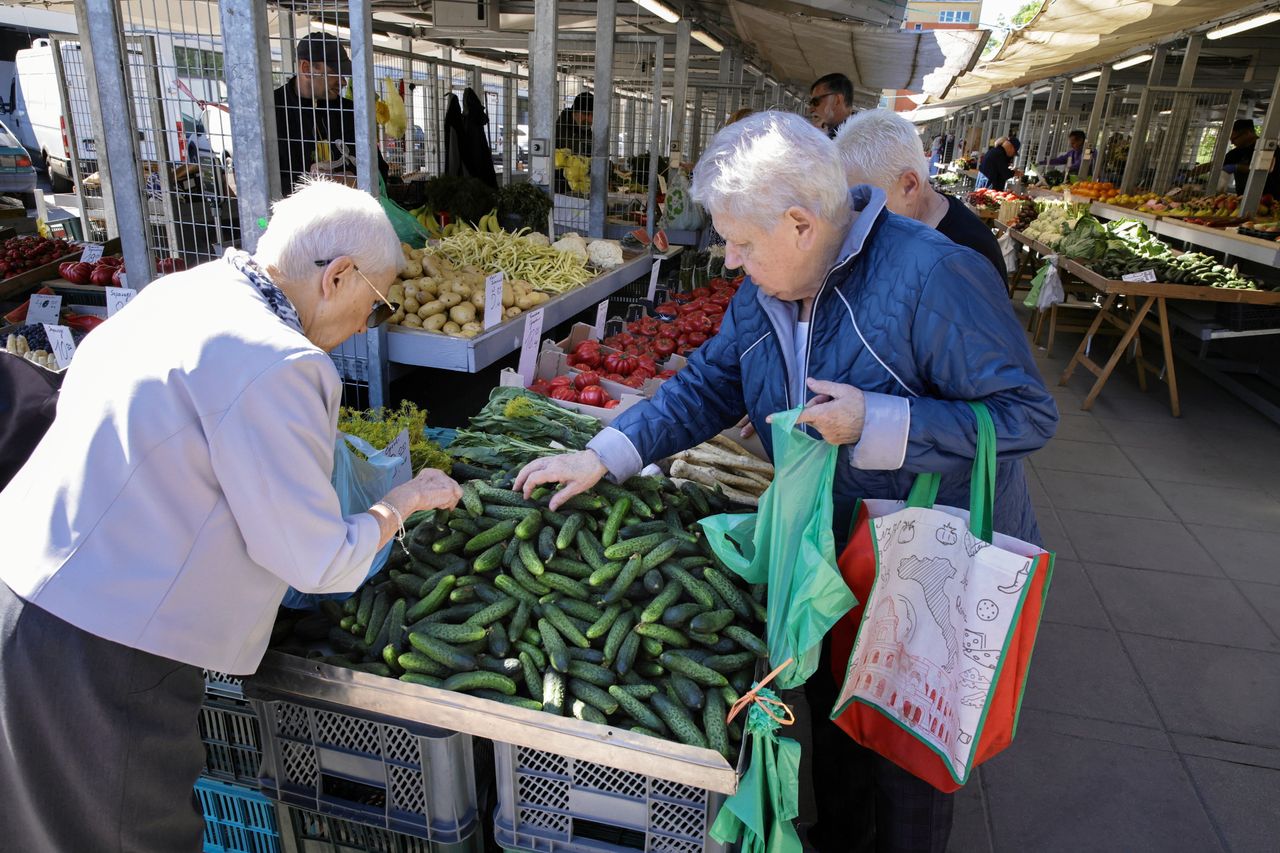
point(1266, 149)
point(1187, 73)
point(1137, 145)
point(150, 73)
point(510, 148)
point(695, 130)
point(601, 128)
point(99, 23)
point(739, 67)
point(1156, 72)
point(362, 83)
point(1092, 143)
point(1050, 109)
point(655, 140)
point(722, 94)
point(542, 92)
point(680, 93)
point(1058, 133)
point(406, 71)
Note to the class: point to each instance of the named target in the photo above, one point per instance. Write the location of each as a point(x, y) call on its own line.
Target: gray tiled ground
point(1151, 720)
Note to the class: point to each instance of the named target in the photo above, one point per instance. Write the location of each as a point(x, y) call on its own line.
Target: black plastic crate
point(311, 832)
point(1240, 317)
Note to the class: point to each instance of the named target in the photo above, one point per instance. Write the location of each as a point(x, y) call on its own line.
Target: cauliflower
point(605, 253)
point(537, 239)
point(573, 244)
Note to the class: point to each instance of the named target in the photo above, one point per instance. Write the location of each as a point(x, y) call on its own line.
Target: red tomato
point(540, 386)
point(611, 404)
point(561, 382)
point(80, 273)
point(614, 377)
point(103, 276)
point(620, 362)
point(593, 395)
point(586, 380)
point(664, 346)
point(562, 392)
point(635, 380)
point(588, 353)
point(666, 374)
point(697, 339)
point(110, 261)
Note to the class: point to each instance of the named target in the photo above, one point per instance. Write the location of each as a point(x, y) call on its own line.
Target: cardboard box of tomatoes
point(635, 369)
point(553, 379)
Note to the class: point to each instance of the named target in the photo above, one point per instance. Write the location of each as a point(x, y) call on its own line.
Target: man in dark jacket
point(996, 167)
point(881, 148)
point(883, 330)
point(573, 131)
point(314, 123)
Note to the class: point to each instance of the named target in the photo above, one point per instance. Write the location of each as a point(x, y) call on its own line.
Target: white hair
point(760, 166)
point(324, 220)
point(881, 146)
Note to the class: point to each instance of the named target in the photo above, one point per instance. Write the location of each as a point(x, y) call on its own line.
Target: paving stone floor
point(1151, 720)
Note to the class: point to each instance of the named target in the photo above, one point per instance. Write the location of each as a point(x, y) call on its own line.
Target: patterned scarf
point(276, 300)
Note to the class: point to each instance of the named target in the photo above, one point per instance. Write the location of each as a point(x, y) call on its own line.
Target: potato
point(410, 288)
point(508, 295)
point(412, 321)
point(464, 312)
point(451, 328)
point(435, 322)
point(513, 311)
point(477, 297)
point(468, 333)
point(411, 305)
point(412, 269)
point(450, 299)
point(397, 318)
point(396, 293)
point(435, 306)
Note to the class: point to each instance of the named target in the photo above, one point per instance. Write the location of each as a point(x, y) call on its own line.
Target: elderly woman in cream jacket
point(183, 485)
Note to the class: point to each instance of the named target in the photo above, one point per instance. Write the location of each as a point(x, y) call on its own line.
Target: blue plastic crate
point(399, 775)
point(552, 803)
point(236, 819)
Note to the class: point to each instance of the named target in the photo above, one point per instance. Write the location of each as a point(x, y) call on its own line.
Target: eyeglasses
point(379, 313)
point(817, 99)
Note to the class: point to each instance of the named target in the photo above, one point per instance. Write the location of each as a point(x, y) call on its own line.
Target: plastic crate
point(398, 775)
point(1245, 318)
point(232, 740)
point(311, 832)
point(555, 804)
point(236, 819)
point(223, 684)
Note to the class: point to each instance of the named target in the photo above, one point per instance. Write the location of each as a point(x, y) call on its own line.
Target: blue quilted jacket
point(905, 313)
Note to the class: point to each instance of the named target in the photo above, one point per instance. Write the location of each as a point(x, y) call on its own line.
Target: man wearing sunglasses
point(184, 484)
point(831, 102)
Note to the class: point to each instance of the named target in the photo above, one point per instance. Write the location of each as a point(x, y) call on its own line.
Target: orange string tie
point(766, 704)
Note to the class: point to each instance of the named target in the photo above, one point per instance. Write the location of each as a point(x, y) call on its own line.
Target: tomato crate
point(394, 774)
point(236, 819)
point(311, 832)
point(552, 803)
point(232, 740)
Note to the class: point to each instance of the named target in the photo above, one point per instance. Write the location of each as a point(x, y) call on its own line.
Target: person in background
point(739, 115)
point(935, 155)
point(315, 125)
point(182, 487)
point(831, 102)
point(1244, 138)
point(996, 167)
point(573, 131)
point(881, 329)
point(1073, 157)
point(881, 148)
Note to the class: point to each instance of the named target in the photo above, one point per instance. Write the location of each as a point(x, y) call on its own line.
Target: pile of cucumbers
point(613, 609)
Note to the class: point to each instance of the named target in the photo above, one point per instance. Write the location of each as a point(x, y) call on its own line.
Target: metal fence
point(1181, 138)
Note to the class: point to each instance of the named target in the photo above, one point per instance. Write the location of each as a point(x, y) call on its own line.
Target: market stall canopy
point(1071, 34)
point(801, 48)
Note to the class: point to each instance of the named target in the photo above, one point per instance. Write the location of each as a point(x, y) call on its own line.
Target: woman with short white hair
point(883, 149)
point(182, 487)
point(883, 330)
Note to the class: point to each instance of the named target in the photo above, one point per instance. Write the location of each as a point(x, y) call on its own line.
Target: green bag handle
point(982, 484)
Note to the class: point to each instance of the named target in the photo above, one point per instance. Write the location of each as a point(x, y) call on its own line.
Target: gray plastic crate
point(397, 775)
point(223, 684)
point(310, 832)
point(555, 804)
point(232, 741)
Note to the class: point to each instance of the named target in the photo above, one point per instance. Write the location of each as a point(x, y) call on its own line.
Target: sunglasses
point(379, 314)
point(817, 99)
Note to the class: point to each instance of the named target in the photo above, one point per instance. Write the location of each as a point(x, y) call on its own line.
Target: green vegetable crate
point(557, 804)
point(397, 775)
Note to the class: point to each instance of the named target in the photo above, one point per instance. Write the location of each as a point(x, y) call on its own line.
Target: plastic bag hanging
point(789, 545)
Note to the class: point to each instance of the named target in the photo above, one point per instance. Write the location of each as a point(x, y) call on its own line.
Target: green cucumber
point(453, 634)
point(486, 539)
point(490, 559)
point(529, 525)
point(511, 553)
point(593, 673)
point(635, 708)
point(570, 568)
point(747, 640)
point(618, 632)
point(532, 677)
point(546, 544)
point(663, 634)
point(499, 642)
point(627, 651)
point(650, 647)
point(509, 667)
point(377, 615)
point(535, 654)
point(567, 629)
point(709, 623)
point(464, 525)
point(463, 594)
point(591, 549)
point(421, 678)
point(471, 499)
point(661, 553)
point(670, 595)
point(678, 721)
point(653, 581)
point(467, 681)
point(640, 691)
point(595, 656)
point(692, 670)
point(423, 665)
point(605, 574)
point(573, 523)
point(526, 578)
point(593, 695)
point(511, 587)
point(726, 590)
point(581, 610)
point(713, 724)
point(564, 585)
point(557, 652)
point(490, 494)
point(698, 591)
point(366, 605)
point(494, 612)
point(640, 545)
point(730, 663)
point(629, 575)
point(603, 622)
point(554, 519)
point(442, 652)
point(453, 542)
point(650, 669)
point(678, 615)
point(614, 522)
point(584, 503)
point(390, 658)
point(519, 620)
point(587, 712)
point(530, 560)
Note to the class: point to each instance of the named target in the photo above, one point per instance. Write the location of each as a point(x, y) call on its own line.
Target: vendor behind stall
point(1244, 138)
point(996, 167)
point(183, 485)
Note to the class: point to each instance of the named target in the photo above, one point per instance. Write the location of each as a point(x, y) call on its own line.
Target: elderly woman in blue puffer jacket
point(883, 329)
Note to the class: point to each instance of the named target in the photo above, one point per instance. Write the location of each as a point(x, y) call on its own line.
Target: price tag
point(91, 253)
point(399, 449)
point(44, 309)
point(653, 277)
point(529, 347)
point(60, 342)
point(117, 298)
point(602, 317)
point(124, 279)
point(493, 300)
point(1145, 275)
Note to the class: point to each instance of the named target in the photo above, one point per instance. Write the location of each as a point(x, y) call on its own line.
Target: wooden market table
point(1150, 295)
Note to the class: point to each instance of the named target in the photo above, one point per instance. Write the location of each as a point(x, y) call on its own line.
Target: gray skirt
point(99, 743)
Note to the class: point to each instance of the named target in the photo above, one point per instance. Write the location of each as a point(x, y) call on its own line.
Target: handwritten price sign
point(117, 298)
point(529, 346)
point(60, 343)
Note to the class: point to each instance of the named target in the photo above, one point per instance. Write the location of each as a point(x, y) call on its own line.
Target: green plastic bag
point(759, 816)
point(1033, 297)
point(789, 545)
point(408, 229)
